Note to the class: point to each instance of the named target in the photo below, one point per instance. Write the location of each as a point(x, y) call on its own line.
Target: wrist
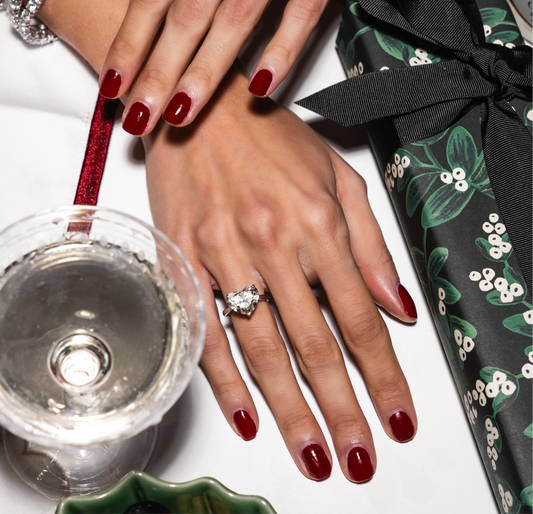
point(89, 27)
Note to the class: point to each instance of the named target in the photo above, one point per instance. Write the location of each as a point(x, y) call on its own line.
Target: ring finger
point(269, 363)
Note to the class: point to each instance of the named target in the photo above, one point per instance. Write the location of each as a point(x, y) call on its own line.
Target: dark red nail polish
point(177, 109)
point(408, 305)
point(261, 82)
point(111, 84)
point(245, 424)
point(402, 427)
point(137, 119)
point(316, 461)
point(360, 465)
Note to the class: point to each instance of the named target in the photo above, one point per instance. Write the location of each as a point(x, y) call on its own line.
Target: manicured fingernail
point(402, 427)
point(316, 461)
point(177, 109)
point(360, 465)
point(245, 424)
point(260, 83)
point(409, 306)
point(137, 119)
point(111, 84)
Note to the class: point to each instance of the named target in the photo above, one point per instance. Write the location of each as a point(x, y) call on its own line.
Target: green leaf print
point(504, 387)
point(355, 9)
point(485, 247)
point(528, 432)
point(417, 189)
point(528, 350)
point(515, 277)
point(526, 496)
point(466, 329)
point(444, 204)
point(436, 261)
point(495, 298)
point(492, 16)
point(391, 45)
point(519, 325)
point(452, 294)
point(505, 36)
point(461, 151)
point(479, 178)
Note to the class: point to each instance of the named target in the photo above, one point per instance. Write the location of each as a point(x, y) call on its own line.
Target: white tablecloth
point(47, 96)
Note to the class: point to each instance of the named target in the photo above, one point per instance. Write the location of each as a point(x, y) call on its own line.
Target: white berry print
point(457, 176)
point(421, 58)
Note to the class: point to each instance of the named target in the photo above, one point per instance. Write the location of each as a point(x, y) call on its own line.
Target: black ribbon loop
point(422, 101)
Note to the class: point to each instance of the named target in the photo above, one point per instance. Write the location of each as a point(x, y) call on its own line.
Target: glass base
point(58, 473)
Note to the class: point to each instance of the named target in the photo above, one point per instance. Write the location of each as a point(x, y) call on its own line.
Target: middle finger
point(322, 363)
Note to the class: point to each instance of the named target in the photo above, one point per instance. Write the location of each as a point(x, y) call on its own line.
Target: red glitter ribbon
point(92, 169)
point(96, 152)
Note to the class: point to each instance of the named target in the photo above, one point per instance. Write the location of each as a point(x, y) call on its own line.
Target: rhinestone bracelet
point(21, 20)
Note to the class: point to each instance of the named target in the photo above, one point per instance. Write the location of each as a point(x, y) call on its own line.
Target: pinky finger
point(230, 390)
point(299, 20)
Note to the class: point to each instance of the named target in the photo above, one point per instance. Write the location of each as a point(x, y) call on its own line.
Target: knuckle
point(283, 51)
point(155, 80)
point(260, 226)
point(124, 47)
point(201, 75)
point(265, 355)
point(390, 387)
point(241, 13)
point(318, 353)
point(191, 14)
point(365, 328)
point(323, 217)
point(344, 423)
point(297, 423)
point(308, 11)
point(229, 388)
point(213, 234)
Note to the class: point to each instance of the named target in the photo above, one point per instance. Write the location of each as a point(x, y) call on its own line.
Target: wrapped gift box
point(476, 287)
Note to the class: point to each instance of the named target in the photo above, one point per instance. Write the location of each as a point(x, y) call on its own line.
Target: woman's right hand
point(253, 196)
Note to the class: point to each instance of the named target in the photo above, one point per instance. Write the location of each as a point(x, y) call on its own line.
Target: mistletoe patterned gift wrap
point(460, 247)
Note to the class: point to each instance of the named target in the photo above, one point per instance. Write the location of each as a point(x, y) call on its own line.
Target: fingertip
point(136, 120)
point(407, 302)
point(245, 424)
point(316, 462)
point(110, 85)
point(402, 427)
point(359, 465)
point(260, 83)
point(177, 109)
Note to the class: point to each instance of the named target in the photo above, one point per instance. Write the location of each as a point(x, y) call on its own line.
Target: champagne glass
point(101, 328)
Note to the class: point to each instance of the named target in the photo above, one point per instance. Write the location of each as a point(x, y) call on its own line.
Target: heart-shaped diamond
point(243, 301)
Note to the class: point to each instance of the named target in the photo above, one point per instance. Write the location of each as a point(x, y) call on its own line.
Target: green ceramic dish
point(204, 495)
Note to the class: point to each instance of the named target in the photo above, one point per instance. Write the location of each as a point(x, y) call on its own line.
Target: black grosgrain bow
point(424, 100)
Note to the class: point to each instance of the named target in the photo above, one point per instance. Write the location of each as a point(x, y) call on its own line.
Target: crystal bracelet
point(21, 20)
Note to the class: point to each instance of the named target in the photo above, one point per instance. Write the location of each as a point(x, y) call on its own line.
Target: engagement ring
point(244, 301)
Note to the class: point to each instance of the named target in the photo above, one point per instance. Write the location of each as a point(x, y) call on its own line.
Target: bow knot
point(494, 64)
